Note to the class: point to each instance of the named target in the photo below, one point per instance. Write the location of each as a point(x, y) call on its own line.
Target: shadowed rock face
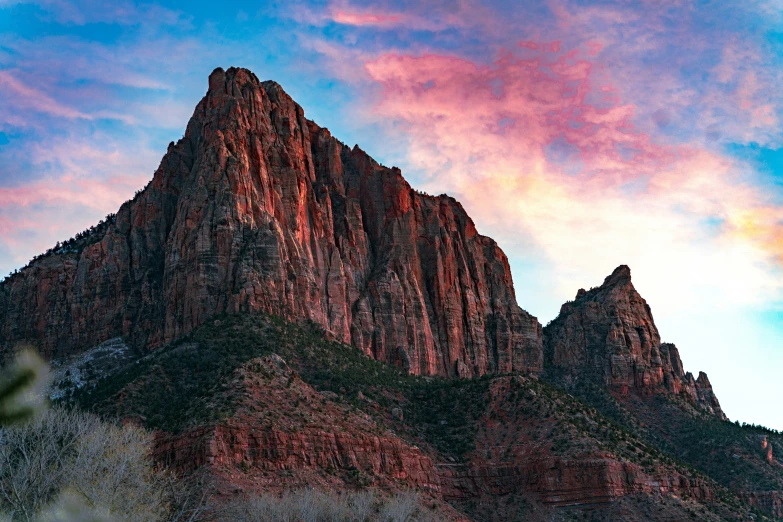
point(258, 208)
point(608, 334)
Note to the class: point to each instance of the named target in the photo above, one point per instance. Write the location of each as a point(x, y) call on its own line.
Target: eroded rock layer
point(283, 428)
point(563, 482)
point(608, 334)
point(258, 208)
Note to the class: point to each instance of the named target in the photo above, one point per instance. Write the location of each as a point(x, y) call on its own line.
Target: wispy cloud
point(78, 179)
point(430, 16)
point(24, 97)
point(368, 18)
point(710, 73)
point(122, 12)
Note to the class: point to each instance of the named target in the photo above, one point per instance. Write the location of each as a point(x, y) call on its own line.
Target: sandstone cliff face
point(608, 334)
point(257, 208)
point(564, 482)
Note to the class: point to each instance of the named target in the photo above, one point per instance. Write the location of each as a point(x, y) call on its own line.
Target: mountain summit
point(607, 334)
point(257, 208)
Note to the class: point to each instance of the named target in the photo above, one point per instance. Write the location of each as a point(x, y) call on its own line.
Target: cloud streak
point(25, 97)
point(121, 12)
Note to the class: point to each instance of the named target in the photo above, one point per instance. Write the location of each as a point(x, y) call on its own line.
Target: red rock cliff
point(608, 334)
point(258, 208)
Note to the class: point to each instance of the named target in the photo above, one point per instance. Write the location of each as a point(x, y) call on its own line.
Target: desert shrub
point(104, 467)
point(401, 508)
point(309, 505)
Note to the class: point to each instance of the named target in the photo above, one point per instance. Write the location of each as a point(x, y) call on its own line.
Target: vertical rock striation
point(608, 334)
point(258, 208)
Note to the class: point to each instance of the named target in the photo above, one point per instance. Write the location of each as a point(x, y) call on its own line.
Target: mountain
point(608, 335)
point(285, 312)
point(605, 349)
point(257, 208)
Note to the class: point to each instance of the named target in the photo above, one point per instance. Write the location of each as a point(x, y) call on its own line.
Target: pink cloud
point(737, 100)
point(34, 217)
point(27, 97)
point(93, 193)
point(633, 199)
point(434, 15)
point(594, 47)
point(367, 18)
point(80, 183)
point(545, 98)
point(338, 61)
point(751, 90)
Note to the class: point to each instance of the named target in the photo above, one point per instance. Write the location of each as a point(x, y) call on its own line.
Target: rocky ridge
point(322, 414)
point(319, 434)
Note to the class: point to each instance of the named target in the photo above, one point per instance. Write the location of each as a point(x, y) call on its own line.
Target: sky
point(580, 135)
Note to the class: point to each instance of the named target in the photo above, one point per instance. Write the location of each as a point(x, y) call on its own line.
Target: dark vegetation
point(730, 453)
point(185, 384)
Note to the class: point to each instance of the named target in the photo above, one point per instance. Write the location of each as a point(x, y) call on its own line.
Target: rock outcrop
point(567, 482)
point(544, 445)
point(608, 334)
point(296, 434)
point(272, 450)
point(769, 501)
point(258, 208)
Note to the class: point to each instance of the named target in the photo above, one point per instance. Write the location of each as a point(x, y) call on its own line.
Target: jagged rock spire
point(608, 334)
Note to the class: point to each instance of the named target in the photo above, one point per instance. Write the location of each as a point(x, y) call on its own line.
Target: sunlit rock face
point(258, 208)
point(608, 334)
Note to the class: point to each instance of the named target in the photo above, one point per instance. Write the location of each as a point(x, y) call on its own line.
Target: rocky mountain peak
point(619, 276)
point(259, 209)
point(608, 335)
